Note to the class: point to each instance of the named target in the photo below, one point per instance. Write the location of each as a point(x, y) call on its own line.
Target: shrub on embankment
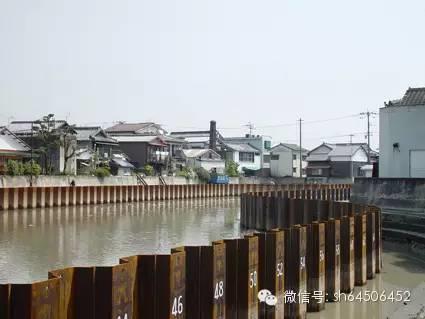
point(17, 168)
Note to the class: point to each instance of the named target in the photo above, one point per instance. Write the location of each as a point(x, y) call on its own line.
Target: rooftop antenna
point(251, 127)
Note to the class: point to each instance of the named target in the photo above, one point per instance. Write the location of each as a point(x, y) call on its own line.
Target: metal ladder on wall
point(141, 180)
point(162, 180)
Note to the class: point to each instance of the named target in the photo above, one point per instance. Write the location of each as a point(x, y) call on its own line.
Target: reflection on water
point(34, 241)
point(37, 240)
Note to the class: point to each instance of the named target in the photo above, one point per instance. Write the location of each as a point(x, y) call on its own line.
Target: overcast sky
point(182, 63)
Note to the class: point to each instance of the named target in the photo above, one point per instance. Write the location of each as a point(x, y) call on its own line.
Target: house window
point(294, 157)
point(267, 145)
point(246, 157)
point(316, 171)
point(294, 169)
point(275, 157)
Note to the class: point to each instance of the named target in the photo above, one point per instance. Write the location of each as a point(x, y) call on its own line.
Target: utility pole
point(301, 152)
point(351, 138)
point(368, 114)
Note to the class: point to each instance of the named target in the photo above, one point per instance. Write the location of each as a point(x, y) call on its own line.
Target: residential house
point(96, 139)
point(250, 152)
point(336, 162)
point(260, 142)
point(285, 160)
point(402, 136)
point(55, 157)
point(147, 143)
point(94, 146)
point(246, 156)
point(120, 165)
point(205, 158)
point(12, 148)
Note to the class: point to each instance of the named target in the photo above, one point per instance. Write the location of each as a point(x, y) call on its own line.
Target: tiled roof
point(86, 133)
point(293, 147)
point(242, 147)
point(193, 153)
point(10, 143)
point(24, 127)
point(412, 97)
point(135, 138)
point(339, 149)
point(135, 128)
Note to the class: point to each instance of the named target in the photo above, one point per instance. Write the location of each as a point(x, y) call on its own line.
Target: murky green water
point(34, 241)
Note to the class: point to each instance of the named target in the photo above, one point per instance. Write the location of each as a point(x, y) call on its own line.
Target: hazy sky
point(182, 63)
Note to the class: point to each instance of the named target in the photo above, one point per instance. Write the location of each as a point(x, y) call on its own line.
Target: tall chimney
point(213, 135)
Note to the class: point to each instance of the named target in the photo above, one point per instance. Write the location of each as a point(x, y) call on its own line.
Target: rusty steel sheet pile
point(315, 248)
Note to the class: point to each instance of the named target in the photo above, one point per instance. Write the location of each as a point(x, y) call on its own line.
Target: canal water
point(36, 240)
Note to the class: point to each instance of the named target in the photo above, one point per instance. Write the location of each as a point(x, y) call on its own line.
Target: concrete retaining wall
point(57, 181)
point(394, 193)
point(42, 196)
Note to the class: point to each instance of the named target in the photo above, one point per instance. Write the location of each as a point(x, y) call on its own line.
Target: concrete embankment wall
point(402, 201)
point(55, 181)
point(42, 196)
point(393, 193)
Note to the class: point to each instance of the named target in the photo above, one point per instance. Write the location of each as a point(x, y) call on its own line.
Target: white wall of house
point(250, 165)
point(296, 164)
point(403, 125)
point(288, 163)
point(259, 142)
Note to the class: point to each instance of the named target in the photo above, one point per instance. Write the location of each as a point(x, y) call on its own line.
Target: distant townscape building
point(260, 143)
point(250, 152)
point(285, 160)
point(340, 162)
point(147, 143)
point(245, 155)
point(96, 148)
point(60, 156)
point(11, 148)
point(402, 136)
point(205, 158)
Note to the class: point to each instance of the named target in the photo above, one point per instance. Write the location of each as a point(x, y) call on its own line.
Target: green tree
point(203, 174)
point(232, 168)
point(49, 141)
point(148, 170)
point(32, 168)
point(14, 168)
point(102, 172)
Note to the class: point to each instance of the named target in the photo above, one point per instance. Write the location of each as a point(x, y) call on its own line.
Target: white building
point(205, 158)
point(245, 155)
point(261, 143)
point(285, 160)
point(402, 136)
